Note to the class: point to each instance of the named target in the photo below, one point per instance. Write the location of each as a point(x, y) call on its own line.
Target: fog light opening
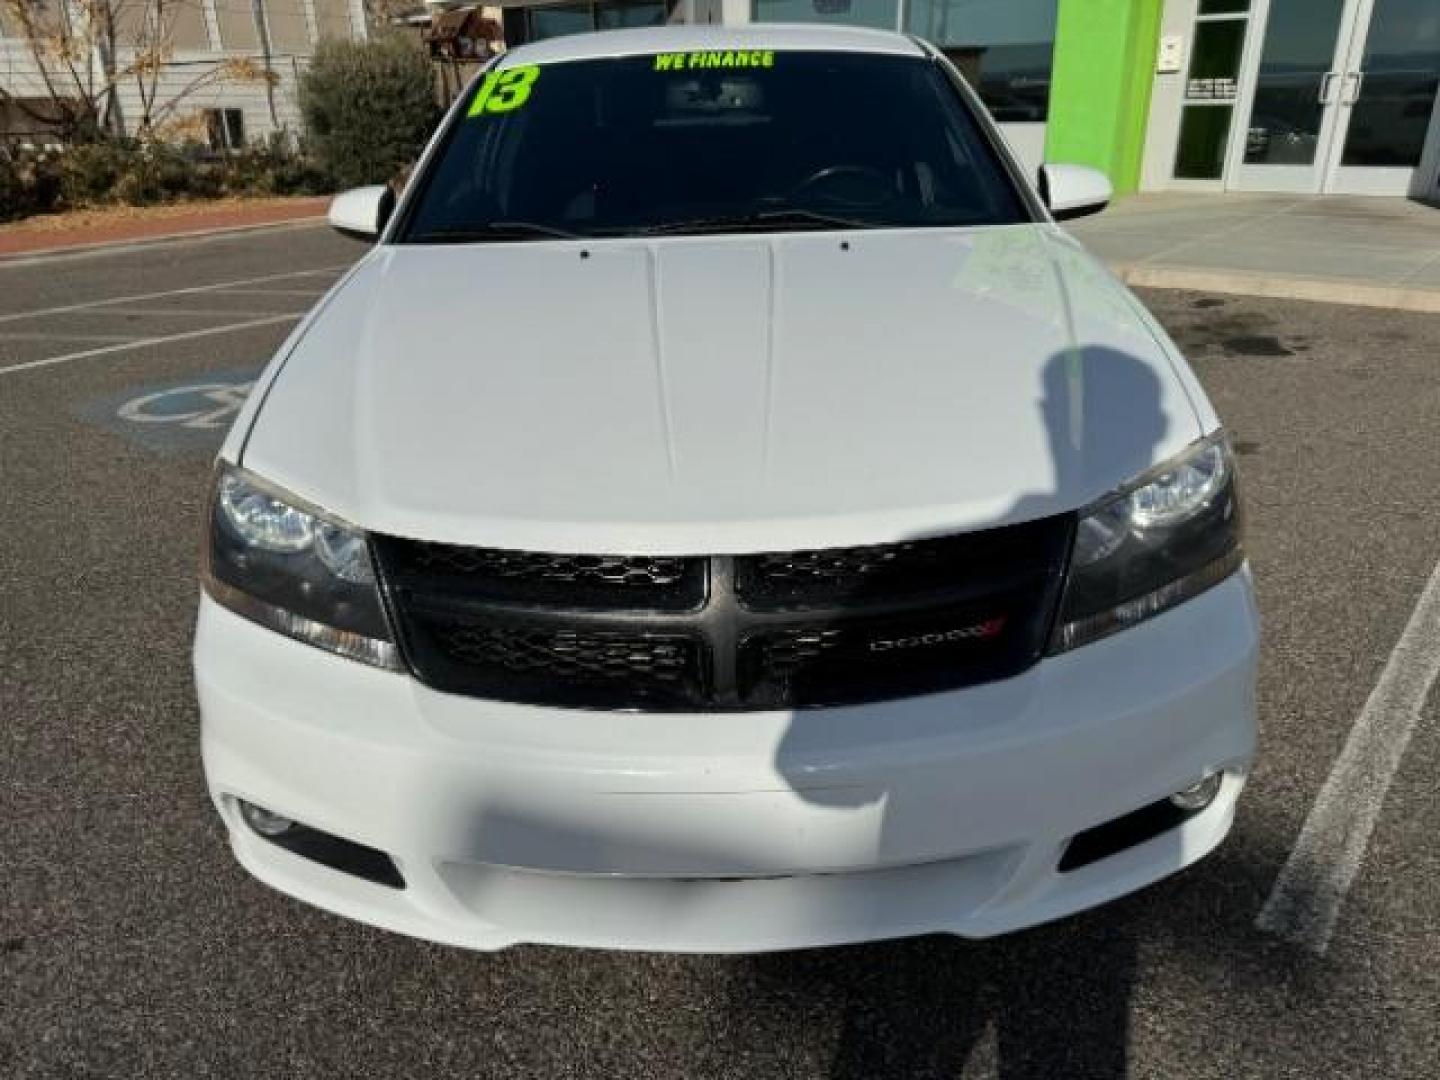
point(321, 847)
point(268, 824)
point(1198, 796)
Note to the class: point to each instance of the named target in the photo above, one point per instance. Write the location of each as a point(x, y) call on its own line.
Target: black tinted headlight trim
point(296, 593)
point(1152, 568)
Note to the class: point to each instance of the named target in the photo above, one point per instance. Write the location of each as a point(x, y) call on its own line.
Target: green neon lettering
point(512, 89)
point(504, 91)
point(487, 84)
point(758, 58)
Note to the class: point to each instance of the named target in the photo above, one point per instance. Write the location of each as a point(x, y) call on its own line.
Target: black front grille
point(506, 658)
point(775, 630)
point(785, 579)
point(617, 581)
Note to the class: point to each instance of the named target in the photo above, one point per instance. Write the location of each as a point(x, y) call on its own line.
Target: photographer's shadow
point(1058, 997)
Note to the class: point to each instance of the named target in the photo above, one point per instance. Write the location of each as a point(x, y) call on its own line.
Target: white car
point(724, 512)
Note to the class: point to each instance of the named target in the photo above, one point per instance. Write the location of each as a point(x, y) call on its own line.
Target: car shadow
point(924, 1007)
point(1057, 999)
point(1056, 1002)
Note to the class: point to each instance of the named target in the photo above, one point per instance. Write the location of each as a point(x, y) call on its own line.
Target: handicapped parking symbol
point(203, 406)
point(193, 414)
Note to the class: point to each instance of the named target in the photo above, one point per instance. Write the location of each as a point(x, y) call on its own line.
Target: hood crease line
point(771, 375)
point(657, 346)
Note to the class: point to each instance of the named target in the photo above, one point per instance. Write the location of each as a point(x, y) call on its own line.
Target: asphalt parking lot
point(131, 945)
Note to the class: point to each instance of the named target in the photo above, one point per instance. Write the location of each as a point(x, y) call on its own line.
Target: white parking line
point(188, 291)
point(152, 243)
point(20, 335)
point(1305, 902)
point(141, 343)
point(171, 312)
point(276, 292)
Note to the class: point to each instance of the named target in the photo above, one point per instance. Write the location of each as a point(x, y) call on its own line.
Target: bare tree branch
point(83, 62)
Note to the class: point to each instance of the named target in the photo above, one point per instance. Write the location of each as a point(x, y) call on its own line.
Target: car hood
point(722, 393)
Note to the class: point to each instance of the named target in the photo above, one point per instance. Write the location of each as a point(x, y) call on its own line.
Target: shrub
point(14, 199)
point(275, 168)
point(89, 172)
point(29, 182)
point(368, 107)
point(154, 173)
point(93, 174)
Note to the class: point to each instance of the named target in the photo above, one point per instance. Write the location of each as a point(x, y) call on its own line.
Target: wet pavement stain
point(1233, 332)
point(1256, 345)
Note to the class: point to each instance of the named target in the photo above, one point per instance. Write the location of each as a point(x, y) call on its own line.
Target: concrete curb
point(1279, 287)
point(115, 247)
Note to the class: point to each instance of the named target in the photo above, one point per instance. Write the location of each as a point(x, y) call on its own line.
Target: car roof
point(607, 44)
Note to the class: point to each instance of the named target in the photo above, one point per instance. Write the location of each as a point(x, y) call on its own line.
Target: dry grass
point(111, 216)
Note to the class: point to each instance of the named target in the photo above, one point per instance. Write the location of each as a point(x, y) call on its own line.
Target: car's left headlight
point(293, 568)
point(1170, 535)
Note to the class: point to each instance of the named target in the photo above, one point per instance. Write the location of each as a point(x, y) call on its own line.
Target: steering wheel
point(860, 176)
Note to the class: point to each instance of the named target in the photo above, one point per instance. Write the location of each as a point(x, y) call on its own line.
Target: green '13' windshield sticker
point(744, 58)
point(504, 91)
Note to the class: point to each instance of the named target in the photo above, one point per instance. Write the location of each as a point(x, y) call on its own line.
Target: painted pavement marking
point(141, 343)
point(187, 291)
point(1305, 902)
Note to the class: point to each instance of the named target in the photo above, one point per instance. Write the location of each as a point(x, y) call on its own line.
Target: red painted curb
point(204, 219)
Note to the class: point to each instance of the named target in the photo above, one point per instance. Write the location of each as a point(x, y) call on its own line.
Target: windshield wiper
point(763, 221)
point(493, 230)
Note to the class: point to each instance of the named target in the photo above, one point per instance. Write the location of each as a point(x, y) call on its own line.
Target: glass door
point(1292, 102)
point(1388, 98)
point(1212, 87)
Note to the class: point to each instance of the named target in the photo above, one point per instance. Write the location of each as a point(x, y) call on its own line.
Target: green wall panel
point(1100, 96)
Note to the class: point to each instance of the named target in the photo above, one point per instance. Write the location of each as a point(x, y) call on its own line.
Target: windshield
point(711, 142)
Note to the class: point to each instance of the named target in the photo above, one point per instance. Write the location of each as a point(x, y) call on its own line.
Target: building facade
point(1308, 96)
point(199, 36)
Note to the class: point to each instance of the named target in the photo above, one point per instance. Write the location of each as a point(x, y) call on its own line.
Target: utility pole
point(262, 32)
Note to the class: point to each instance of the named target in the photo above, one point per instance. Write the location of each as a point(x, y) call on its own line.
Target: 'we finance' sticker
point(726, 58)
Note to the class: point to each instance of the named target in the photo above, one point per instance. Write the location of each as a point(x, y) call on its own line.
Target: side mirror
point(1072, 191)
point(361, 213)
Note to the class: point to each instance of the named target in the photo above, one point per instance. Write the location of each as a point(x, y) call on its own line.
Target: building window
point(1212, 86)
point(881, 14)
point(1005, 48)
point(555, 20)
point(225, 129)
point(617, 16)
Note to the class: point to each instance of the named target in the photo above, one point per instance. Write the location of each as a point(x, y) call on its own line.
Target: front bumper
point(736, 831)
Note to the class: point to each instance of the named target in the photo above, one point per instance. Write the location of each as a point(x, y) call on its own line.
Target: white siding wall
point(249, 97)
point(17, 68)
point(19, 75)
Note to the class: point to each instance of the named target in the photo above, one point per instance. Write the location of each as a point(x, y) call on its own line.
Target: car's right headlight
point(295, 569)
point(1173, 533)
